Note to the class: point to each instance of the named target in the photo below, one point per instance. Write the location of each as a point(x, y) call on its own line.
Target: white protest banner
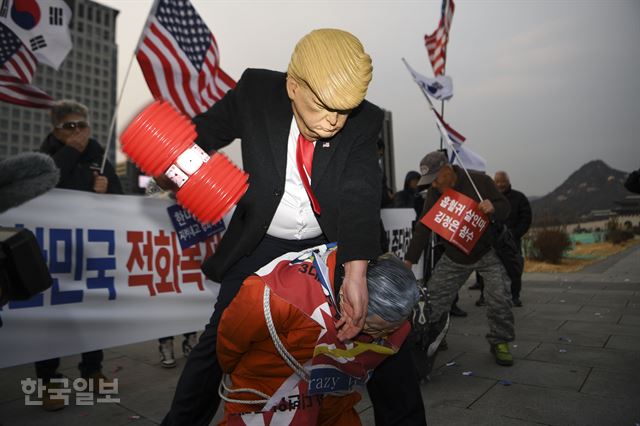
point(119, 273)
point(120, 276)
point(398, 224)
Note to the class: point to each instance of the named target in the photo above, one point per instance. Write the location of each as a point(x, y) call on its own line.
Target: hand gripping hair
point(393, 291)
point(334, 65)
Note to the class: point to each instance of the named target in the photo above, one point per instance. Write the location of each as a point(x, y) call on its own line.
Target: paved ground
point(577, 363)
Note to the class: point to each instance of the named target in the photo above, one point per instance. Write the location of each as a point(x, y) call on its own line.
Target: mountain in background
point(594, 186)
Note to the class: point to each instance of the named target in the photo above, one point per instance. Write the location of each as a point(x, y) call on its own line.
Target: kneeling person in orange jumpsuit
point(278, 345)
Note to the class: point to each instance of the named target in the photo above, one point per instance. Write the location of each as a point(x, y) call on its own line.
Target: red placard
point(457, 219)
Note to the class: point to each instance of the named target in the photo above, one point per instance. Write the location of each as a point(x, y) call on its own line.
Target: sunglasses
point(72, 125)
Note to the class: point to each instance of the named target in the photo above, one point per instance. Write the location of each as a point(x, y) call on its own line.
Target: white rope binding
point(286, 356)
point(282, 351)
point(223, 387)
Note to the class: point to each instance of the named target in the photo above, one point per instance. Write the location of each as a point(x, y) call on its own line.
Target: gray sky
point(540, 87)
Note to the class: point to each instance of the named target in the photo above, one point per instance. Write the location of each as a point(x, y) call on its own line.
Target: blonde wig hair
point(334, 65)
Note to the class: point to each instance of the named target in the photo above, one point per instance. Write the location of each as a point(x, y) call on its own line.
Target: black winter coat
point(76, 168)
point(519, 219)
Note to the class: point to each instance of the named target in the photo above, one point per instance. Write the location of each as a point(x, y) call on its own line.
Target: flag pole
point(124, 83)
point(444, 67)
point(115, 114)
point(444, 135)
point(442, 101)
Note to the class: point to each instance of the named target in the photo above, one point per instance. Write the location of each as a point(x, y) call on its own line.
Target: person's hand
point(78, 140)
point(407, 264)
point(354, 298)
point(486, 207)
point(100, 183)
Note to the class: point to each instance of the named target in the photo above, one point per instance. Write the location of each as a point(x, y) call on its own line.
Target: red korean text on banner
point(157, 262)
point(457, 219)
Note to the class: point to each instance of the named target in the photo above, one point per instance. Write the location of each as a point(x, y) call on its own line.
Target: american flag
point(179, 58)
point(17, 66)
point(437, 41)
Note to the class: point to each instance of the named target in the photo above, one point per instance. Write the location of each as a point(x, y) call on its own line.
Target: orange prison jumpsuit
point(247, 353)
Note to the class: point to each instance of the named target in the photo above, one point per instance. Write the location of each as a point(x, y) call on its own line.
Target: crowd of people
point(299, 321)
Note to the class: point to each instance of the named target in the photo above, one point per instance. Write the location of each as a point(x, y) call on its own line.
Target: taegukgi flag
point(42, 26)
point(440, 87)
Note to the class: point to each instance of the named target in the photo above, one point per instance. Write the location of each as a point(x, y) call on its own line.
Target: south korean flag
point(41, 25)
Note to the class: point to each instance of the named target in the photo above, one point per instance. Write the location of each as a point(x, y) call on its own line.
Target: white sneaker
point(167, 359)
point(190, 341)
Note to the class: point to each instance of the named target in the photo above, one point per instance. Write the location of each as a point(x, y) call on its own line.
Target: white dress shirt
point(294, 218)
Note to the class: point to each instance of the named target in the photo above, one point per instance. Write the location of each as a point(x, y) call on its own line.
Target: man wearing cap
point(453, 269)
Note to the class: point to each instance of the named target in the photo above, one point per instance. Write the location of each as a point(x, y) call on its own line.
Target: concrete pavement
point(577, 362)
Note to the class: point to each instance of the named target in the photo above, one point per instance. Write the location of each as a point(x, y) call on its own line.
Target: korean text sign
point(457, 219)
point(119, 276)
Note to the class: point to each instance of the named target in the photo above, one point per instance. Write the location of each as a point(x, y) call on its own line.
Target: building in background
point(88, 75)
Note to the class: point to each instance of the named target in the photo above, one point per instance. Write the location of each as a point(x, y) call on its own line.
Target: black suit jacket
point(345, 178)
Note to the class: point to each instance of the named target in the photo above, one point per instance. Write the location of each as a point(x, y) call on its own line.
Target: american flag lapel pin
point(326, 144)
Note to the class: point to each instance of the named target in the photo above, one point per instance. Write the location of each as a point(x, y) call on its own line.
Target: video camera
point(23, 270)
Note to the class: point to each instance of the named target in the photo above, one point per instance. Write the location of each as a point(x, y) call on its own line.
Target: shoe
point(189, 343)
point(517, 302)
point(475, 286)
point(49, 403)
point(481, 302)
point(167, 360)
point(501, 354)
point(457, 312)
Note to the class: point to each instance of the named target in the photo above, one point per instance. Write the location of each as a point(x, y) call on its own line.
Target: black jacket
point(519, 219)
point(76, 168)
point(345, 178)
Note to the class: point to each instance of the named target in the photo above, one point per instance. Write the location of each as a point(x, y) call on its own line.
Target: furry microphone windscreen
point(25, 176)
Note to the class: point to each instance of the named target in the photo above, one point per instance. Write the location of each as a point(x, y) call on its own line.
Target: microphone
point(26, 176)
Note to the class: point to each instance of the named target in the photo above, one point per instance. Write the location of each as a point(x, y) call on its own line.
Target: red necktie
point(304, 157)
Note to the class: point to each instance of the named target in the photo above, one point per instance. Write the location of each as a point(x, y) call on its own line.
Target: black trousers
point(196, 399)
point(516, 279)
point(91, 363)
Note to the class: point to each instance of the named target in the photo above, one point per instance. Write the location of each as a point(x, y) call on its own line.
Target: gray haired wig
point(393, 291)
